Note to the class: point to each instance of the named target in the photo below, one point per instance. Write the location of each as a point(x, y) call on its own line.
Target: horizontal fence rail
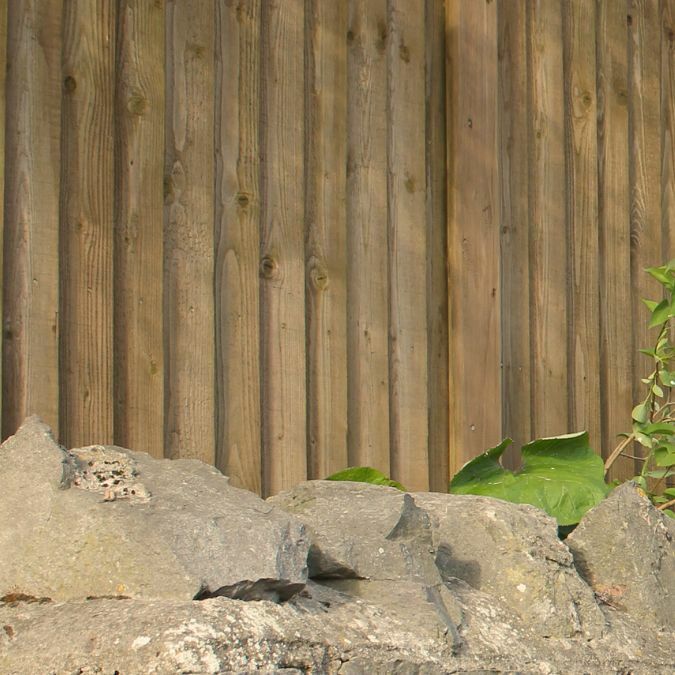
point(289, 236)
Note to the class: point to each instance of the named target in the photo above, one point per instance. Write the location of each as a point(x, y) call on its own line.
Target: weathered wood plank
point(3, 159)
point(582, 217)
point(33, 108)
point(475, 396)
point(548, 240)
point(668, 121)
point(616, 351)
point(367, 288)
point(238, 441)
point(282, 247)
point(139, 131)
point(189, 233)
point(644, 57)
point(326, 249)
point(437, 246)
point(515, 239)
point(86, 237)
point(409, 423)
point(668, 135)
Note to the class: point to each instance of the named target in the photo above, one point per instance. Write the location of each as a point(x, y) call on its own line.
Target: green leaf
point(651, 304)
point(648, 352)
point(641, 412)
point(561, 475)
point(365, 474)
point(661, 314)
point(669, 492)
point(643, 439)
point(669, 513)
point(667, 378)
point(664, 454)
point(662, 344)
point(660, 475)
point(657, 391)
point(661, 274)
point(659, 428)
point(641, 481)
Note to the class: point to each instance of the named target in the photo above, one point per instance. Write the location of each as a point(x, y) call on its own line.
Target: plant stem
point(617, 452)
point(663, 507)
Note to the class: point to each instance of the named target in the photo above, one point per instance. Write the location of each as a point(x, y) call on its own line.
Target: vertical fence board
point(475, 398)
point(582, 218)
point(31, 266)
point(668, 128)
point(138, 328)
point(282, 247)
point(515, 242)
point(189, 232)
point(326, 254)
point(616, 347)
point(86, 236)
point(368, 379)
point(645, 170)
point(369, 206)
point(3, 100)
point(407, 245)
point(238, 244)
point(437, 244)
point(668, 137)
point(548, 241)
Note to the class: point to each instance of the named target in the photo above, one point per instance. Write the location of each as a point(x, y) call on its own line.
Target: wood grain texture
point(326, 247)
point(668, 128)
point(189, 233)
point(616, 344)
point(437, 246)
point(139, 172)
point(579, 17)
point(282, 247)
point(407, 239)
point(515, 240)
point(86, 233)
point(668, 135)
point(548, 238)
point(475, 321)
point(31, 263)
point(3, 100)
point(238, 440)
point(367, 287)
point(644, 57)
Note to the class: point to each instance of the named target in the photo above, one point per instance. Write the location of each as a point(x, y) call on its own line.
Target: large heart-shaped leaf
point(365, 474)
point(561, 475)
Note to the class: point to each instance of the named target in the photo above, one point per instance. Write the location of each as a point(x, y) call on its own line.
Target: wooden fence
point(287, 236)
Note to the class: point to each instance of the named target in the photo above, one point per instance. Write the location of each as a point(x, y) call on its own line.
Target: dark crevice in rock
point(12, 599)
point(271, 590)
point(323, 566)
point(434, 597)
point(327, 576)
point(108, 597)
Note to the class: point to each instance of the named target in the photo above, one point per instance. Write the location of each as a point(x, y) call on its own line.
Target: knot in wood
point(137, 104)
point(69, 84)
point(318, 275)
point(269, 268)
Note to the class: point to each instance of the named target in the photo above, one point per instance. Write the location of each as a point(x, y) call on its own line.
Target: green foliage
point(561, 475)
point(365, 474)
point(654, 417)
